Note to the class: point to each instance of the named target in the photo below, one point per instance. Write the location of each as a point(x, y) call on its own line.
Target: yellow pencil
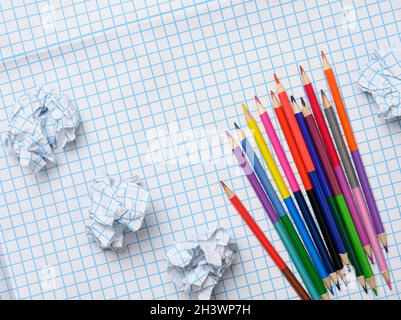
point(266, 154)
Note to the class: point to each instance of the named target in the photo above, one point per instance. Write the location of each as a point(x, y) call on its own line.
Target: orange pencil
point(352, 145)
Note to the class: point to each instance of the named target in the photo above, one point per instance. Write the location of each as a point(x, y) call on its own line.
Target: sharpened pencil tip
point(272, 93)
point(338, 285)
point(322, 53)
point(257, 99)
point(371, 259)
point(385, 247)
point(365, 288)
point(331, 290)
point(292, 99)
point(236, 126)
point(322, 93)
point(302, 69)
point(276, 79)
point(374, 291)
point(303, 102)
point(223, 184)
point(389, 285)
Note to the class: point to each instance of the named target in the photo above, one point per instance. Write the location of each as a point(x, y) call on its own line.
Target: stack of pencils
point(342, 226)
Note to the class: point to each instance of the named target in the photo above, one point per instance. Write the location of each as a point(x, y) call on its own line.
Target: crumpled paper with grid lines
point(196, 266)
point(381, 77)
point(117, 206)
point(43, 122)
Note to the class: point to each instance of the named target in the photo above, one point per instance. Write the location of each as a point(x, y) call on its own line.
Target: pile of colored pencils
point(349, 230)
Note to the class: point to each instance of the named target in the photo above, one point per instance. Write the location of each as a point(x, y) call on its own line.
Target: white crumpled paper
point(382, 78)
point(197, 265)
point(43, 122)
point(116, 207)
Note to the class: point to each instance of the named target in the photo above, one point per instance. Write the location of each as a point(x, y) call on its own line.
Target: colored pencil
point(331, 215)
point(337, 201)
point(310, 191)
point(274, 255)
point(307, 160)
point(271, 193)
point(352, 145)
point(335, 163)
point(278, 179)
point(335, 129)
point(296, 191)
point(314, 285)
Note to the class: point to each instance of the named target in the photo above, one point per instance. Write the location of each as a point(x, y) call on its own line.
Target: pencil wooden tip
point(276, 103)
point(325, 100)
point(239, 131)
point(231, 140)
point(248, 116)
point(276, 79)
point(295, 106)
point(305, 79)
point(259, 105)
point(326, 64)
point(383, 239)
point(386, 276)
point(305, 109)
point(227, 190)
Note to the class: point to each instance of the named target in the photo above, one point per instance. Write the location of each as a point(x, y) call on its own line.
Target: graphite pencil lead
point(236, 126)
point(338, 285)
point(385, 246)
point(292, 99)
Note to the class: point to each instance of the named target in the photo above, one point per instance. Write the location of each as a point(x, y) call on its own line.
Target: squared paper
point(139, 71)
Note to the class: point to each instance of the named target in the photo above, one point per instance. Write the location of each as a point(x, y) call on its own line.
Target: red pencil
point(265, 243)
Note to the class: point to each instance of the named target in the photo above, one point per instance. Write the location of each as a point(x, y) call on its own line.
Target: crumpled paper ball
point(382, 78)
point(43, 122)
point(196, 266)
point(116, 206)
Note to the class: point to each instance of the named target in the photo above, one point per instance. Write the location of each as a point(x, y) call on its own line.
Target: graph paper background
point(141, 72)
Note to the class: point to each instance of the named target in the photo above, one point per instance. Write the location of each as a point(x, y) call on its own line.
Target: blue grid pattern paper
point(146, 77)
